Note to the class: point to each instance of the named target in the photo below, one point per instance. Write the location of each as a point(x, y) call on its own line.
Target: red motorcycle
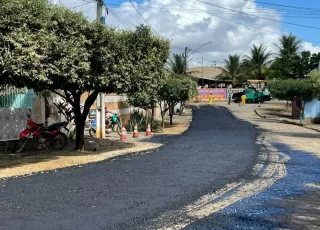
point(44, 135)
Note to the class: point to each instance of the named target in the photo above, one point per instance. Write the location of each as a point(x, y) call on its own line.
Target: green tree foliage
point(291, 65)
point(258, 59)
point(293, 90)
point(175, 90)
point(233, 70)
point(177, 64)
point(288, 45)
point(296, 66)
point(49, 47)
point(314, 76)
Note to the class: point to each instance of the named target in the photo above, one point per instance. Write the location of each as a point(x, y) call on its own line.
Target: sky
point(229, 26)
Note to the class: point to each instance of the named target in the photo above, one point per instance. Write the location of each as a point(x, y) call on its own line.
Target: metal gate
point(11, 97)
point(14, 104)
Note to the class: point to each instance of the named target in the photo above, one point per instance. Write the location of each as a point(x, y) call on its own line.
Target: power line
point(286, 6)
point(143, 17)
point(129, 12)
point(247, 25)
point(275, 20)
point(81, 5)
point(114, 15)
point(297, 12)
point(148, 23)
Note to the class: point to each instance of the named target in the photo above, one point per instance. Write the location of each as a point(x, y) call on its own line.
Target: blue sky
point(303, 33)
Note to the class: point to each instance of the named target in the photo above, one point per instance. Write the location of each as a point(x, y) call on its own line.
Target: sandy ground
point(298, 138)
point(33, 161)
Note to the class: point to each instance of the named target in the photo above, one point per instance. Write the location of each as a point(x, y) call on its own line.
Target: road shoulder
point(33, 162)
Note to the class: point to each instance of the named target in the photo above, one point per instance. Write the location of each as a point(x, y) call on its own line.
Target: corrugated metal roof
point(210, 73)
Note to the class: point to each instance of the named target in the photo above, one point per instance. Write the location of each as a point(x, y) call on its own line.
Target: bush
point(142, 122)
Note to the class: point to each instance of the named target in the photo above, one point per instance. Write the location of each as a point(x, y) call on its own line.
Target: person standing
point(243, 99)
point(229, 98)
point(210, 99)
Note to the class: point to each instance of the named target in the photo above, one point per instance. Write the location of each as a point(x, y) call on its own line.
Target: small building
point(208, 77)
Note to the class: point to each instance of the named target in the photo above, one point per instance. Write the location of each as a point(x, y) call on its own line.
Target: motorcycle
point(44, 135)
point(115, 120)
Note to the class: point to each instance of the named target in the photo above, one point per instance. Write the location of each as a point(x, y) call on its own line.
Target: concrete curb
point(265, 117)
point(297, 124)
point(287, 122)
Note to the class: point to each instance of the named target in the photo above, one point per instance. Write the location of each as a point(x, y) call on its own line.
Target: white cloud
point(192, 23)
point(310, 47)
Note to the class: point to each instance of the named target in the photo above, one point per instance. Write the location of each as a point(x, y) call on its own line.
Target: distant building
point(208, 77)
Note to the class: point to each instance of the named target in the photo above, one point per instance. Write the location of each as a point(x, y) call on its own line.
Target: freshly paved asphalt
point(125, 193)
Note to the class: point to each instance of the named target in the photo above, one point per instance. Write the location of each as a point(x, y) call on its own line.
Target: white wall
point(312, 109)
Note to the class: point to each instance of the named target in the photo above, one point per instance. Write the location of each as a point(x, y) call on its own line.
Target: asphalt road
point(128, 192)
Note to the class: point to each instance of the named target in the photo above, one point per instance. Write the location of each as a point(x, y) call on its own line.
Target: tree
point(314, 77)
point(233, 70)
point(300, 91)
point(61, 51)
point(178, 64)
point(288, 45)
point(296, 66)
point(175, 89)
point(290, 64)
point(258, 59)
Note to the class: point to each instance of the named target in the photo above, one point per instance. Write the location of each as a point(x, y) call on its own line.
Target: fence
point(14, 104)
point(11, 97)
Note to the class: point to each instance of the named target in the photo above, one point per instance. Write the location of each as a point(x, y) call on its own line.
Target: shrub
point(142, 122)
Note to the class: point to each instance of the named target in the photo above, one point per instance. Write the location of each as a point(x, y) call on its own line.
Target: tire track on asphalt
point(269, 168)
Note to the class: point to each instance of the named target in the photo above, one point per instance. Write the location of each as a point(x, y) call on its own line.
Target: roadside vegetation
point(47, 47)
point(292, 75)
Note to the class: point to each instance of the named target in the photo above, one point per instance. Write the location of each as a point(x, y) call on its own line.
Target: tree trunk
point(80, 134)
point(171, 111)
point(287, 106)
point(182, 106)
point(80, 118)
point(153, 113)
point(162, 119)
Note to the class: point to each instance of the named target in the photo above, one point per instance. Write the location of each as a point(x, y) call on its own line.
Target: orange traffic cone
point(135, 132)
point(123, 134)
point(148, 132)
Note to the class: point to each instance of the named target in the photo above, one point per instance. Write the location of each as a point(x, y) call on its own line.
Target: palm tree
point(258, 60)
point(177, 64)
point(289, 45)
point(232, 70)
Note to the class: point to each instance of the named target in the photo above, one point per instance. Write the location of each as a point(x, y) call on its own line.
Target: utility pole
point(185, 60)
point(202, 72)
point(100, 103)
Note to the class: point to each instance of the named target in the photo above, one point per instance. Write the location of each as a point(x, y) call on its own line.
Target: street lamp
point(201, 47)
point(186, 56)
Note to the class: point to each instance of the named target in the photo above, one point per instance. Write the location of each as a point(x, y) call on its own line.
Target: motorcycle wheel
point(92, 133)
point(21, 144)
point(59, 141)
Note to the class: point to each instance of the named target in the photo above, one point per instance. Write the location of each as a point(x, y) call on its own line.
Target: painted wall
point(218, 94)
point(312, 109)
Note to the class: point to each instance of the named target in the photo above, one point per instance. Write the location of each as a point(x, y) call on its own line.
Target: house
point(208, 77)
